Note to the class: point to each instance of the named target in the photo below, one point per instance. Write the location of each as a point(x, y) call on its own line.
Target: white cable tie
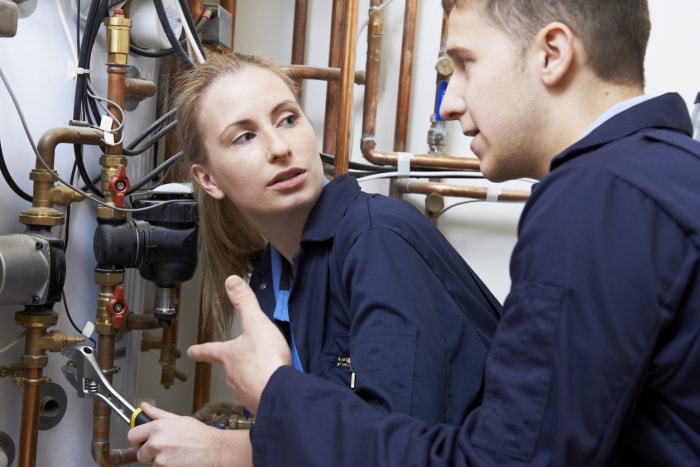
point(106, 126)
point(88, 329)
point(403, 164)
point(82, 71)
point(493, 193)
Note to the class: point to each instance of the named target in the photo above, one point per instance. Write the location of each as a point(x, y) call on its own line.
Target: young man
point(596, 360)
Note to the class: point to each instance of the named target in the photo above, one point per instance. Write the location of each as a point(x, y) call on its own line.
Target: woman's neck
point(283, 232)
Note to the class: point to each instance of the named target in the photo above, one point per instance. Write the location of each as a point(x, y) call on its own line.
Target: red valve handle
point(119, 185)
point(117, 307)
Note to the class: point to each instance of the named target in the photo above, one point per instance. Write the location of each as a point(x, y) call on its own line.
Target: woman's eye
point(289, 120)
point(243, 138)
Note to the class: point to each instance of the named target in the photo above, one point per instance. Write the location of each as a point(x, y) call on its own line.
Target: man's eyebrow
point(456, 50)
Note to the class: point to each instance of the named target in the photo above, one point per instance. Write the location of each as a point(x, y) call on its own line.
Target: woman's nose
point(279, 147)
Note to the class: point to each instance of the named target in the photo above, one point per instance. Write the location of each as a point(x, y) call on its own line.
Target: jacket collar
point(330, 208)
point(667, 111)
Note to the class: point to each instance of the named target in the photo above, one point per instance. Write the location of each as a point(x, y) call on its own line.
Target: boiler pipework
point(115, 185)
point(347, 73)
point(47, 254)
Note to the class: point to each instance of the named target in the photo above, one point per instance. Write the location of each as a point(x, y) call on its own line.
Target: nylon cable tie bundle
point(493, 193)
point(403, 165)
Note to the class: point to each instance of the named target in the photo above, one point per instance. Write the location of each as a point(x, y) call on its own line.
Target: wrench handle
point(139, 418)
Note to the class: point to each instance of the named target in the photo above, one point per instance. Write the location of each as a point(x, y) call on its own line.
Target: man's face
point(495, 94)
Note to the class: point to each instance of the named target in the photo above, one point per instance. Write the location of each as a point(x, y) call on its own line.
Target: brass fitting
point(38, 341)
point(444, 66)
point(118, 38)
point(110, 166)
point(107, 281)
point(42, 211)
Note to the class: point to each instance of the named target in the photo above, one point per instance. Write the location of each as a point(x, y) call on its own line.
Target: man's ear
point(206, 180)
point(555, 47)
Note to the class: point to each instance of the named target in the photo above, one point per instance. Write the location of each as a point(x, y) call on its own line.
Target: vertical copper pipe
point(375, 30)
point(299, 36)
point(230, 7)
point(405, 75)
point(116, 93)
point(202, 370)
point(301, 8)
point(332, 88)
point(444, 67)
point(101, 412)
point(347, 84)
point(196, 8)
point(31, 399)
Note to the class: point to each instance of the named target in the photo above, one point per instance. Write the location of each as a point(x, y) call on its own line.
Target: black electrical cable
point(171, 35)
point(150, 53)
point(10, 181)
point(166, 165)
point(190, 24)
point(134, 151)
point(98, 10)
point(155, 124)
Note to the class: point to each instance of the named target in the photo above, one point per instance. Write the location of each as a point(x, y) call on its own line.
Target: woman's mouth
point(288, 179)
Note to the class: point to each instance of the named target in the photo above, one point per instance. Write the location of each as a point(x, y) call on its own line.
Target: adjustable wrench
point(85, 375)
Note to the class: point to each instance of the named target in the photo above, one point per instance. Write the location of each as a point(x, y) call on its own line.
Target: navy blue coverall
point(383, 305)
point(596, 359)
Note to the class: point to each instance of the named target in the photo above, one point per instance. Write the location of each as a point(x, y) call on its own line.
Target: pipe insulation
point(9, 16)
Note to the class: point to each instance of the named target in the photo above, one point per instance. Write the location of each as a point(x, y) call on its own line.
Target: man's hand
point(178, 441)
point(250, 359)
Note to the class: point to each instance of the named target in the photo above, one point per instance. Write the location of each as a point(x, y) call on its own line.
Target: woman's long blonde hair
point(227, 239)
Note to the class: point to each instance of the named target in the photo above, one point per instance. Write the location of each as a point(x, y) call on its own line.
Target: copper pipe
point(323, 74)
point(116, 93)
point(230, 7)
point(405, 75)
point(301, 8)
point(334, 60)
point(168, 349)
point(369, 116)
point(202, 370)
point(347, 72)
point(375, 30)
point(407, 185)
point(45, 193)
point(68, 134)
point(140, 321)
point(140, 89)
point(196, 8)
point(29, 431)
point(37, 341)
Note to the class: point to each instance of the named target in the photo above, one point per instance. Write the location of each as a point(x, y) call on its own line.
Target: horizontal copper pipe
point(424, 161)
point(138, 321)
point(68, 134)
point(324, 74)
point(406, 185)
point(140, 89)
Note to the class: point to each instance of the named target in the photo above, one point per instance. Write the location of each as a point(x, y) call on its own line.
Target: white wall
point(35, 63)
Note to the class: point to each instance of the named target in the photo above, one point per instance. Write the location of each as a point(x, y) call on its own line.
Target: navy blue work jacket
point(596, 359)
point(383, 305)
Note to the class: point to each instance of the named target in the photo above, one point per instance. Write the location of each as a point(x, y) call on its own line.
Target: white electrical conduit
point(188, 33)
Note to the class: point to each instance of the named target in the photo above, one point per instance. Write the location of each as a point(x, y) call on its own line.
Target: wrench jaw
point(84, 373)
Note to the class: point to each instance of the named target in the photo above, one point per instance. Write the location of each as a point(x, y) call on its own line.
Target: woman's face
point(261, 150)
